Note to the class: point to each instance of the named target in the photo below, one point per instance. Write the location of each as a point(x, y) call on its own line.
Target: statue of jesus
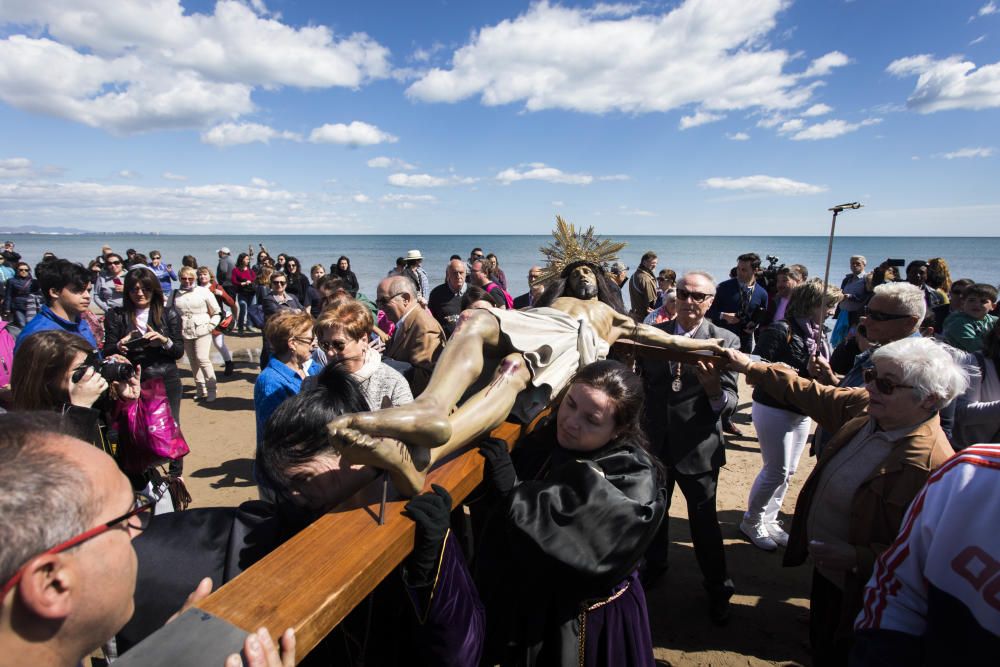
point(535, 353)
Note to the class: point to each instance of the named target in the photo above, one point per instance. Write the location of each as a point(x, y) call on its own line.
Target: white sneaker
point(758, 534)
point(777, 533)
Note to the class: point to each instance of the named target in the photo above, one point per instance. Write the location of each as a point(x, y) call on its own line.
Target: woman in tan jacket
point(887, 441)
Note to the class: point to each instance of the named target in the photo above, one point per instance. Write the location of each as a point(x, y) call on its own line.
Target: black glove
point(430, 511)
point(499, 468)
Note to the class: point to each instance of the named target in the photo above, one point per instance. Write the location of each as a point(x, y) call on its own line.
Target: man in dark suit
point(685, 405)
point(741, 301)
point(528, 299)
point(418, 338)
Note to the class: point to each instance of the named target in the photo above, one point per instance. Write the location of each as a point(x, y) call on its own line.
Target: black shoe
point(729, 427)
point(229, 368)
point(718, 601)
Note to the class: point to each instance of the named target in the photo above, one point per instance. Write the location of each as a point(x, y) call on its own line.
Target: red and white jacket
point(939, 583)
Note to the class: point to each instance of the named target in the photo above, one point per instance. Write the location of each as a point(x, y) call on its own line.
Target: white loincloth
point(554, 345)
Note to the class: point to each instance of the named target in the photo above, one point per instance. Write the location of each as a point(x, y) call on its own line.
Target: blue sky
point(681, 117)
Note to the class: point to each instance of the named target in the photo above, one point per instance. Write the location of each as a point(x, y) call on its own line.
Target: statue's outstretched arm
point(648, 335)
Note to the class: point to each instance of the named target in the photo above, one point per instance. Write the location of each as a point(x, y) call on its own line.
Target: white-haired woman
point(782, 430)
point(887, 441)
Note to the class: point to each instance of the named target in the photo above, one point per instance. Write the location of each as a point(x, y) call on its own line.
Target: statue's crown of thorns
point(570, 246)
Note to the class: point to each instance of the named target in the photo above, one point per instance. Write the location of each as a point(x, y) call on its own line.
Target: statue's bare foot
point(406, 470)
point(415, 424)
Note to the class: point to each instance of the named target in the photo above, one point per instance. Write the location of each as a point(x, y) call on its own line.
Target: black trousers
point(699, 492)
point(825, 608)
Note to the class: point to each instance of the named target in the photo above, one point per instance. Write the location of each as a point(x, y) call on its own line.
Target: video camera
point(110, 370)
point(768, 276)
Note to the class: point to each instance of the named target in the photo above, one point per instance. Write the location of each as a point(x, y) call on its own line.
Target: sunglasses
point(142, 507)
point(384, 301)
point(115, 262)
point(279, 282)
point(331, 345)
point(135, 289)
point(884, 386)
point(23, 270)
point(879, 316)
point(697, 297)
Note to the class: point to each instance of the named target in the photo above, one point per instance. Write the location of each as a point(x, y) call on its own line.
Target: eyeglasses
point(139, 288)
point(279, 282)
point(382, 302)
point(155, 257)
point(884, 386)
point(142, 508)
point(308, 341)
point(23, 270)
point(879, 316)
point(697, 297)
point(115, 262)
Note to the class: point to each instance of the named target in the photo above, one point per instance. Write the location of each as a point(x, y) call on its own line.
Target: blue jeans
point(243, 301)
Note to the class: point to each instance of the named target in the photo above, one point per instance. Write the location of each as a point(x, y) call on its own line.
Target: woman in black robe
point(571, 516)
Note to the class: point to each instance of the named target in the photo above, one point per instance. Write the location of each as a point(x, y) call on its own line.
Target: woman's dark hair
point(474, 293)
point(110, 255)
point(626, 392)
point(263, 254)
point(139, 258)
point(240, 258)
point(189, 260)
point(344, 258)
point(607, 291)
point(150, 284)
point(39, 367)
point(298, 265)
point(296, 431)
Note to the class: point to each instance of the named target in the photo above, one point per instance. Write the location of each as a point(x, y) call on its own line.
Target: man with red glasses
point(67, 519)
point(887, 440)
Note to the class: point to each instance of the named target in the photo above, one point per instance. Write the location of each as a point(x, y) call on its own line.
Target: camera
point(112, 371)
point(768, 277)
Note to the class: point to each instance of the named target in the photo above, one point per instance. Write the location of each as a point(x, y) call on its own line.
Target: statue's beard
point(585, 291)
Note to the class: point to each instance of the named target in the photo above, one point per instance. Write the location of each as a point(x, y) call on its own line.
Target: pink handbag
point(147, 433)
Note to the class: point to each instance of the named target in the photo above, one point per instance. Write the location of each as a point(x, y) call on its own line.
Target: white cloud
point(832, 128)
point(259, 182)
point(401, 180)
point(759, 183)
point(234, 134)
point(793, 125)
point(123, 206)
point(977, 40)
point(948, 84)
point(981, 151)
point(825, 64)
point(817, 110)
point(170, 176)
point(355, 134)
point(738, 136)
point(382, 162)
point(558, 203)
point(615, 177)
point(711, 55)
point(361, 198)
point(699, 117)
point(144, 66)
point(987, 9)
point(537, 171)
point(638, 212)
point(16, 167)
point(127, 174)
point(425, 199)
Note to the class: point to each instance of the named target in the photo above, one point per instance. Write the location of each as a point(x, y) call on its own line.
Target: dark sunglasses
point(329, 345)
point(697, 297)
point(279, 282)
point(115, 261)
point(23, 270)
point(879, 316)
point(142, 508)
point(883, 385)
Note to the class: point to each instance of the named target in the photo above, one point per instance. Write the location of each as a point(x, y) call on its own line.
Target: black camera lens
point(114, 371)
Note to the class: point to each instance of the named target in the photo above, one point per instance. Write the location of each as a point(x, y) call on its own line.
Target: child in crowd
point(966, 328)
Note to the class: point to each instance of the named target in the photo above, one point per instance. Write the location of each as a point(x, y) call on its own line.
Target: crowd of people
point(897, 370)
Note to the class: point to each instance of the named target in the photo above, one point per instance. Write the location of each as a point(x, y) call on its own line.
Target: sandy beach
point(770, 608)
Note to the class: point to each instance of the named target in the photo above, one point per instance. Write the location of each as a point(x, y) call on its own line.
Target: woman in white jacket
point(200, 314)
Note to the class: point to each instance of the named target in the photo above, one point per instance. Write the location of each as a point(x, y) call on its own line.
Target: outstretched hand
point(736, 360)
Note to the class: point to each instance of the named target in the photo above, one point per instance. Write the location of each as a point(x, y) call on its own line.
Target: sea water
point(372, 256)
